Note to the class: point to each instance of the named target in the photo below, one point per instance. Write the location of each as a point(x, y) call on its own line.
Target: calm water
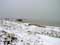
point(40, 22)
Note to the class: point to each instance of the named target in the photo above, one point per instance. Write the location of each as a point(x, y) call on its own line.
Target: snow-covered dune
point(19, 33)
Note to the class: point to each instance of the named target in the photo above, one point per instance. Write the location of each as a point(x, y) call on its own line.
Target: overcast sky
point(31, 9)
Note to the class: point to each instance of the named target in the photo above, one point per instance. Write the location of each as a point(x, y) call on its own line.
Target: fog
point(41, 10)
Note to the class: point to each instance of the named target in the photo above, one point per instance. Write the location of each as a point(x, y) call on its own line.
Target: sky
point(31, 9)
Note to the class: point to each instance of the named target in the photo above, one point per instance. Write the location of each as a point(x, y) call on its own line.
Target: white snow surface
point(28, 34)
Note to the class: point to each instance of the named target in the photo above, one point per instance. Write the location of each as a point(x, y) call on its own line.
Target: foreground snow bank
point(14, 33)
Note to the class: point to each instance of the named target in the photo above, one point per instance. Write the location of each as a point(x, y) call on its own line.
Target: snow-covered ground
point(14, 33)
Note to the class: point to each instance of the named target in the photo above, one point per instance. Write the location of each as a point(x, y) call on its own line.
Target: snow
point(25, 34)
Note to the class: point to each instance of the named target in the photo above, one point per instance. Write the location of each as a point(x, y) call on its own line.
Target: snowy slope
point(14, 33)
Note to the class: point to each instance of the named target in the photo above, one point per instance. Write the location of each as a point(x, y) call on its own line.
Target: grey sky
point(31, 9)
